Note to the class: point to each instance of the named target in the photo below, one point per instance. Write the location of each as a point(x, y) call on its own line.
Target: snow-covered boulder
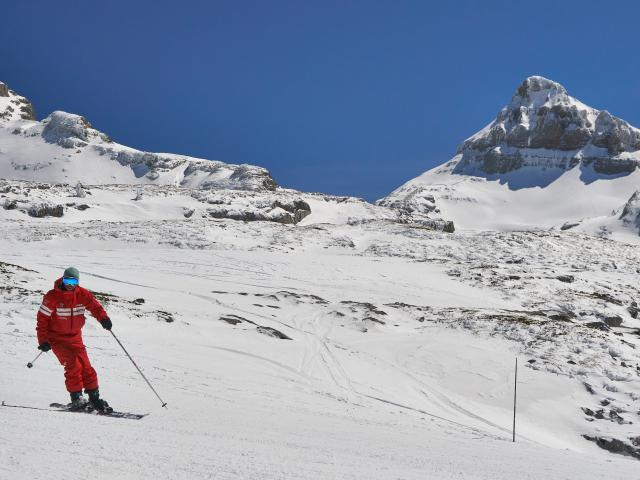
point(69, 130)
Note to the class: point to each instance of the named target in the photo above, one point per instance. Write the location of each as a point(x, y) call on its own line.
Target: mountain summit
point(542, 116)
point(546, 159)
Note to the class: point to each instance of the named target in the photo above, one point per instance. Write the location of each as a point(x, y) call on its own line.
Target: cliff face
point(543, 126)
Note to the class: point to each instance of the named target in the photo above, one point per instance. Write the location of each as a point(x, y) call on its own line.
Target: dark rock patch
point(272, 332)
point(374, 319)
point(233, 319)
point(613, 320)
point(44, 210)
point(566, 278)
point(598, 326)
point(165, 316)
point(614, 445)
point(368, 307)
point(569, 225)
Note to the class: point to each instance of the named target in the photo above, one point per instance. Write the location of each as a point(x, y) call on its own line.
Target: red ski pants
point(78, 371)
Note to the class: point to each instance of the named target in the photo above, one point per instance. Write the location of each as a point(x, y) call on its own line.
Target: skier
point(59, 327)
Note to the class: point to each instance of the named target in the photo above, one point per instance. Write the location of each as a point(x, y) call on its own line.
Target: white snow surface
point(399, 362)
point(482, 203)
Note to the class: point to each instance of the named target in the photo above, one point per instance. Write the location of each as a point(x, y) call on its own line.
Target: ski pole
point(164, 404)
point(30, 364)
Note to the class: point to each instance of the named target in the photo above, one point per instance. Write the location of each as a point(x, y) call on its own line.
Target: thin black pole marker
point(515, 392)
point(30, 364)
point(164, 404)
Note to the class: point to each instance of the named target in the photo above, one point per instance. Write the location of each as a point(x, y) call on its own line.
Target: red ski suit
point(60, 322)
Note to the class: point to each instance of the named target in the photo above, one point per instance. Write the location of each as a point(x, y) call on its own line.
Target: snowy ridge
point(65, 148)
point(546, 160)
point(33, 201)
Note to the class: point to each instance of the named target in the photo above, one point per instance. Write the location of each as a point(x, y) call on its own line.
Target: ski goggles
point(70, 281)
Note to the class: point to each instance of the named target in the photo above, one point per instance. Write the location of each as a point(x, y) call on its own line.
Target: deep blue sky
point(345, 97)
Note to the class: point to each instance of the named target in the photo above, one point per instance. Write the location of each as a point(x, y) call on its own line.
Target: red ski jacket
point(61, 315)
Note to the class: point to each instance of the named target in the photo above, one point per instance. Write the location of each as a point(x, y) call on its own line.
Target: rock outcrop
point(630, 215)
point(69, 130)
point(13, 107)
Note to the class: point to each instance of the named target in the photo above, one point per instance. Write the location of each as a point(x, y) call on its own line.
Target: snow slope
point(398, 362)
point(547, 159)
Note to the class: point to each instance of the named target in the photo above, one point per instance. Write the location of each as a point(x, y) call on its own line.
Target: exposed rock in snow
point(615, 445)
point(44, 210)
point(630, 215)
point(119, 202)
point(14, 107)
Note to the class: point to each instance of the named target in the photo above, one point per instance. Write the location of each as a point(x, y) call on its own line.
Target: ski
point(59, 407)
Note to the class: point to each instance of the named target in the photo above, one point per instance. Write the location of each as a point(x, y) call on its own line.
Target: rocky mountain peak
point(538, 90)
point(544, 126)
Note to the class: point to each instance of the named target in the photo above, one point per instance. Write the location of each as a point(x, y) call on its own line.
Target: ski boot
point(96, 403)
point(78, 402)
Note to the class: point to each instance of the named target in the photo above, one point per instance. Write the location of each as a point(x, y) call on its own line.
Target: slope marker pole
point(515, 394)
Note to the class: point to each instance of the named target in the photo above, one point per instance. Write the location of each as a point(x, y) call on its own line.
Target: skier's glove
point(45, 347)
point(106, 323)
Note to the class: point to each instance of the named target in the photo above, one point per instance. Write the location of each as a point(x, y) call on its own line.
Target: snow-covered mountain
point(65, 148)
point(300, 335)
point(546, 160)
point(44, 163)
